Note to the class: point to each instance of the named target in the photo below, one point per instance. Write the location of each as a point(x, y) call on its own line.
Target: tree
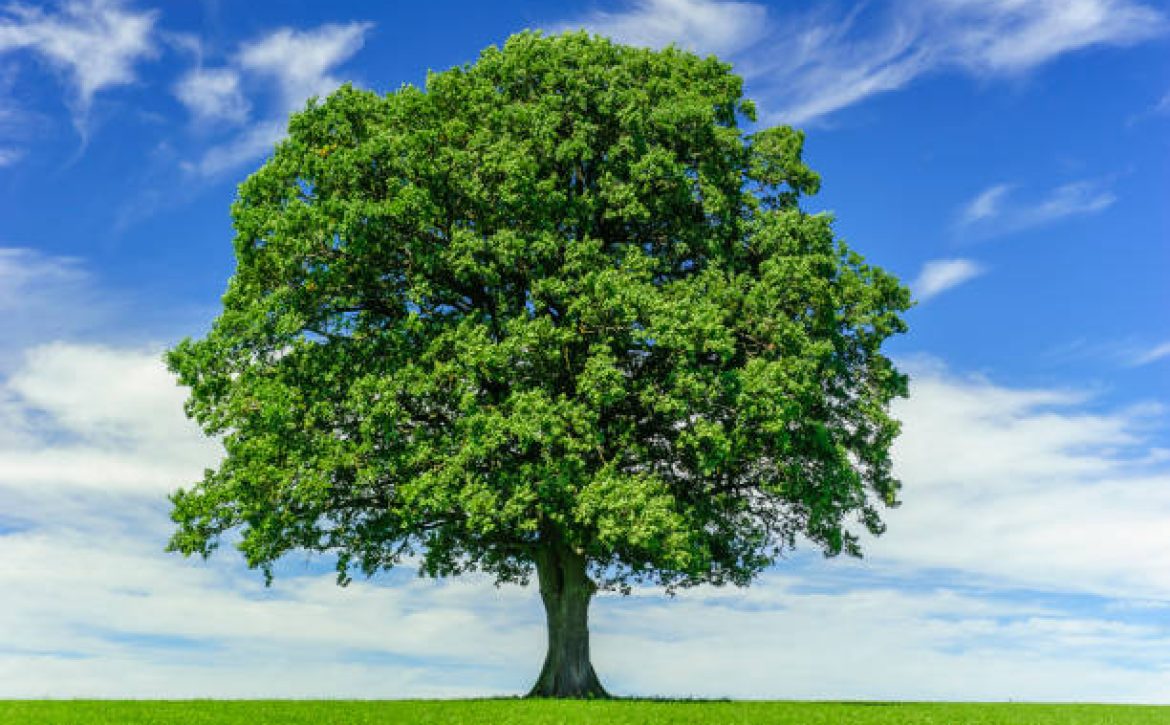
point(556, 313)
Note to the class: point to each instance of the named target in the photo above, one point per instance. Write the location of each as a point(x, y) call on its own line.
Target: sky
point(1008, 159)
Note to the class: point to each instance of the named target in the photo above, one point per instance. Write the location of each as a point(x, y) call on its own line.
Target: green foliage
point(559, 290)
point(552, 712)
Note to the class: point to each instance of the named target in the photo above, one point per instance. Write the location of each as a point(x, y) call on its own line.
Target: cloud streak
point(998, 210)
point(698, 25)
point(1152, 355)
point(940, 275)
point(43, 297)
point(837, 63)
point(806, 66)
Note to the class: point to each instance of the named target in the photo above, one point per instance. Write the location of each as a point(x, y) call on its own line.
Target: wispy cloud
point(940, 275)
point(1011, 36)
point(699, 25)
point(805, 66)
point(293, 64)
point(1129, 351)
point(16, 124)
point(841, 62)
point(1153, 354)
point(1159, 109)
point(43, 297)
point(95, 44)
point(998, 210)
point(246, 146)
point(988, 204)
point(1162, 107)
point(46, 297)
point(836, 62)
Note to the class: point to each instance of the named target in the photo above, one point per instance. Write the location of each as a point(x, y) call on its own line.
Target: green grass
point(528, 712)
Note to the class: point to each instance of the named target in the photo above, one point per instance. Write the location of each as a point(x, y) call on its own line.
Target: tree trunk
point(566, 589)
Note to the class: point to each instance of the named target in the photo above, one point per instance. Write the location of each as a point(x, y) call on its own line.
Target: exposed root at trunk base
point(586, 686)
point(565, 589)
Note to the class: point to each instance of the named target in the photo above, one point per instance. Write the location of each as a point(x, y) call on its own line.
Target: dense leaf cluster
point(558, 294)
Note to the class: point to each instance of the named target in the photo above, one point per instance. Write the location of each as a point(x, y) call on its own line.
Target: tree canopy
point(556, 312)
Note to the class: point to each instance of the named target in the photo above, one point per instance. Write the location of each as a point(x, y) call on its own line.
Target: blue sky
point(1007, 159)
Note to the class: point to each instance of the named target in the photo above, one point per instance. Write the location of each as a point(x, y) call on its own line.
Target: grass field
point(527, 712)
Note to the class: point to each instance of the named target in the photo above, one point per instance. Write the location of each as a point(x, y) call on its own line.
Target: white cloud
point(9, 156)
point(803, 67)
point(1005, 488)
point(699, 25)
point(114, 420)
point(1030, 487)
point(784, 638)
point(177, 629)
point(94, 43)
point(1154, 354)
point(301, 62)
point(940, 275)
point(995, 212)
point(213, 94)
point(101, 393)
point(92, 438)
point(298, 65)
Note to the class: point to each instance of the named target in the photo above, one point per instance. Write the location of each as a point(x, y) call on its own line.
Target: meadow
point(546, 712)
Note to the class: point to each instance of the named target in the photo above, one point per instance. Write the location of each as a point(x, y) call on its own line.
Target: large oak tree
point(556, 313)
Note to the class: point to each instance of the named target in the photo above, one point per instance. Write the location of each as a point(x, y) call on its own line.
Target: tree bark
point(566, 589)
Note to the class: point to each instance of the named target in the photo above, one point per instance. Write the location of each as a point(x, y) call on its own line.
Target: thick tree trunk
point(566, 589)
